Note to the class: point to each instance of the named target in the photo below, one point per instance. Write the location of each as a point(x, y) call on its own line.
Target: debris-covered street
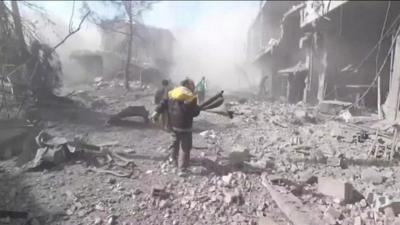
point(236, 164)
point(126, 117)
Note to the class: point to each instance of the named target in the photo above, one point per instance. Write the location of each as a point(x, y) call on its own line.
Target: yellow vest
point(181, 93)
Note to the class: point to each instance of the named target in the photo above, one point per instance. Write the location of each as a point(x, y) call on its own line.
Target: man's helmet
point(188, 83)
point(165, 82)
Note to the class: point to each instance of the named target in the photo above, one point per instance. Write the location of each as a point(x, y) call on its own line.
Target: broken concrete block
point(339, 161)
point(265, 221)
point(363, 203)
point(358, 221)
point(389, 213)
point(234, 197)
point(373, 176)
point(227, 179)
point(160, 193)
point(336, 188)
point(332, 107)
point(393, 205)
point(331, 215)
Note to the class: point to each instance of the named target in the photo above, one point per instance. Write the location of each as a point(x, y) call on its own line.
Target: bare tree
point(128, 9)
point(31, 67)
point(18, 30)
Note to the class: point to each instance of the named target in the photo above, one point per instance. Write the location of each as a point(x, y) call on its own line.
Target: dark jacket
point(161, 93)
point(180, 113)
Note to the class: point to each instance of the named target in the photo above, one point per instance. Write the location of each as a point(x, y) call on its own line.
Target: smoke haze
point(211, 44)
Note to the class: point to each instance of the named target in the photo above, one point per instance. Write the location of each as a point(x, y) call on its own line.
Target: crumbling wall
point(349, 34)
point(391, 105)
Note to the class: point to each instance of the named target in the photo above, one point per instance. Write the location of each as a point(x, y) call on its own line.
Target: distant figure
point(263, 89)
point(162, 93)
point(201, 90)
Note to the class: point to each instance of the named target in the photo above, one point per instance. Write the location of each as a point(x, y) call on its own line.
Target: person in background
point(162, 93)
point(181, 106)
point(201, 90)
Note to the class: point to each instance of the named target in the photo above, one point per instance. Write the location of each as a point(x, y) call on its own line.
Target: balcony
point(317, 9)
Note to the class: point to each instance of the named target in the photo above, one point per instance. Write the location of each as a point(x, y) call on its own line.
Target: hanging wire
point(378, 73)
point(381, 37)
point(392, 26)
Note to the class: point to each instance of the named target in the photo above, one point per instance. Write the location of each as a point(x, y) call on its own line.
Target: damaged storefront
point(352, 57)
point(345, 48)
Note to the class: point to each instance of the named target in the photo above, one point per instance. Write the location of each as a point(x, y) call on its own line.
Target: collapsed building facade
point(152, 52)
point(316, 51)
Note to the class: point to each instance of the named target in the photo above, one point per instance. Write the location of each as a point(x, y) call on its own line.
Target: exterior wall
point(341, 34)
point(264, 33)
point(153, 48)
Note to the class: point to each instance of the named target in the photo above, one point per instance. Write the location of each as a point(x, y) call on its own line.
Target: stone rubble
point(326, 162)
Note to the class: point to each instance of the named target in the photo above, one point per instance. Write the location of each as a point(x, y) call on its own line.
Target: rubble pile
point(120, 175)
point(291, 143)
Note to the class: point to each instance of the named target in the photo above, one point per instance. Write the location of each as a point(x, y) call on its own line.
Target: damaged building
point(152, 52)
point(316, 51)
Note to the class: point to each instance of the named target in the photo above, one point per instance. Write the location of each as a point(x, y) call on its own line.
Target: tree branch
point(70, 33)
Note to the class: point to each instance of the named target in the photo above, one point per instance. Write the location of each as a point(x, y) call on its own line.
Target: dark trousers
point(164, 121)
point(182, 140)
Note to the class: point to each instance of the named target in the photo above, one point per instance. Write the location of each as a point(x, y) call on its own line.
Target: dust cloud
point(214, 47)
point(86, 39)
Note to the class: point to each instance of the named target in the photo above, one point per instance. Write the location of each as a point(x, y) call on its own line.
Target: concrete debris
point(315, 165)
point(371, 175)
point(227, 179)
point(266, 221)
point(131, 111)
point(358, 221)
point(290, 205)
point(331, 215)
point(345, 116)
point(98, 221)
point(239, 155)
point(160, 193)
point(339, 161)
point(233, 197)
point(111, 220)
point(338, 189)
point(208, 134)
point(390, 206)
point(51, 152)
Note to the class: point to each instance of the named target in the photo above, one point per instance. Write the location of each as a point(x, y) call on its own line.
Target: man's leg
point(201, 97)
point(164, 118)
point(186, 145)
point(174, 148)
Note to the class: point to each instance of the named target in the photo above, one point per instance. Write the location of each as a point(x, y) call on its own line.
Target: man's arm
point(195, 109)
point(162, 106)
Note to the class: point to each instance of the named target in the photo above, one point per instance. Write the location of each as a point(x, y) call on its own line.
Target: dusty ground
point(73, 195)
point(216, 192)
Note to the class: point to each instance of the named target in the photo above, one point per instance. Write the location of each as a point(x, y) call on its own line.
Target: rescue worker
point(161, 94)
point(201, 90)
point(182, 107)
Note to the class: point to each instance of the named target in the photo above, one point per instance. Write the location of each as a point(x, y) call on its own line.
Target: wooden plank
point(291, 206)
